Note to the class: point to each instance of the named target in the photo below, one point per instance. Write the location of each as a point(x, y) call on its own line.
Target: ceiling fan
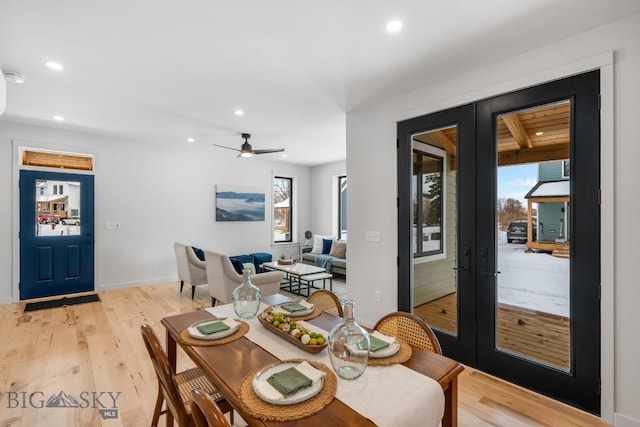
point(246, 150)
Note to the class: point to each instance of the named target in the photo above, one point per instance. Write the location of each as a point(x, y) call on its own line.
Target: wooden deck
point(540, 336)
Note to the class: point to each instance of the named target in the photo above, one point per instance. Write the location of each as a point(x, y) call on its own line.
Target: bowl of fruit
point(298, 332)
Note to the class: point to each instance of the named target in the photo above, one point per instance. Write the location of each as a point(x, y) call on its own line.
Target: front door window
point(57, 208)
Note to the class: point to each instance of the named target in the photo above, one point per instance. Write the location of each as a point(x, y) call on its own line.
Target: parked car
point(71, 221)
point(47, 219)
point(517, 230)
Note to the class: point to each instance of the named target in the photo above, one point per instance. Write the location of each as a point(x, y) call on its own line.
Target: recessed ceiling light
point(239, 113)
point(539, 133)
point(191, 140)
point(58, 118)
point(394, 26)
point(284, 155)
point(55, 66)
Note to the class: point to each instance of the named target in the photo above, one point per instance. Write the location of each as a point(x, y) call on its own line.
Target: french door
point(499, 234)
point(56, 233)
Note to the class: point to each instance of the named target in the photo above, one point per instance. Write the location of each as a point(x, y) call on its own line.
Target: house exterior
point(552, 196)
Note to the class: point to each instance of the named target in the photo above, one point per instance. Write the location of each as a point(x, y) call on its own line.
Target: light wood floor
point(540, 336)
point(97, 347)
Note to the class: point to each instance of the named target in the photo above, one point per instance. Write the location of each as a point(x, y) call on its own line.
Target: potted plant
point(284, 261)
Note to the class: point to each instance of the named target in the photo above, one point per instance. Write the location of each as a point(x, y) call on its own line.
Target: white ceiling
point(162, 71)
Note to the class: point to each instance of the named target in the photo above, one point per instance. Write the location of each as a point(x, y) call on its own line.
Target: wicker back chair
point(327, 301)
point(409, 328)
point(176, 388)
point(205, 410)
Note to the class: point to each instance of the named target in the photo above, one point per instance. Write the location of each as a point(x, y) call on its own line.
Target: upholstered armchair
point(223, 278)
point(191, 270)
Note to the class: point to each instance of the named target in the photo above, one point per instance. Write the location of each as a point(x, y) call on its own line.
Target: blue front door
point(56, 233)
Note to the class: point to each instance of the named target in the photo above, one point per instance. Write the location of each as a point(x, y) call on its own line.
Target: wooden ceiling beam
point(534, 155)
point(444, 141)
point(517, 130)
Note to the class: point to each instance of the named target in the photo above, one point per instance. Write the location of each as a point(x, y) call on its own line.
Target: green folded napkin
point(376, 343)
point(292, 307)
point(289, 381)
point(212, 328)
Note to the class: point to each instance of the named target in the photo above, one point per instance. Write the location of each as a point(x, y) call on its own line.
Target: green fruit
point(313, 341)
point(320, 340)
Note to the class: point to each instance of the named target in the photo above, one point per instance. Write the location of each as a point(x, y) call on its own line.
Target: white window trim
point(562, 170)
point(429, 149)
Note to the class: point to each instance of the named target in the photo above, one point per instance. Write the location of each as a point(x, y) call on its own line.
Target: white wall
point(324, 193)
point(372, 187)
point(158, 194)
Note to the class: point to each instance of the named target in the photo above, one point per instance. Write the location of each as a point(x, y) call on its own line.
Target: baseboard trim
point(624, 421)
point(6, 300)
point(134, 284)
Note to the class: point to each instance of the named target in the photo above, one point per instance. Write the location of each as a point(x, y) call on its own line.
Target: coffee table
point(293, 273)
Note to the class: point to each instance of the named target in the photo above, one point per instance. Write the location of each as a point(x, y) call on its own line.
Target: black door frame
point(462, 345)
point(581, 386)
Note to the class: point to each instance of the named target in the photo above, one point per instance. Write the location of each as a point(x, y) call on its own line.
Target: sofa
point(324, 250)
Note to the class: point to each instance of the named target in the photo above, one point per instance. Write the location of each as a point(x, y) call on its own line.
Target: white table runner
point(388, 395)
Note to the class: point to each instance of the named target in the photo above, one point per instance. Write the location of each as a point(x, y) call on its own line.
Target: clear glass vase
point(246, 297)
point(349, 346)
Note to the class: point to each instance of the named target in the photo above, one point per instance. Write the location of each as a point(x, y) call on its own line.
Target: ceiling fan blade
point(222, 146)
point(269, 150)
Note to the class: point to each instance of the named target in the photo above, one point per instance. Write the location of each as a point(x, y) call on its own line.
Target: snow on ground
point(536, 281)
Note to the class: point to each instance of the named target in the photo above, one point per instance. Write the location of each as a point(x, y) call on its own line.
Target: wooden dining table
point(227, 365)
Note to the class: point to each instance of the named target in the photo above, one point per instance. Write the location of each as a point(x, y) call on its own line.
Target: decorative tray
point(286, 262)
point(311, 348)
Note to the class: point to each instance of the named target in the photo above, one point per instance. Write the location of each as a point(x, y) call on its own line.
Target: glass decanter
point(246, 297)
point(349, 346)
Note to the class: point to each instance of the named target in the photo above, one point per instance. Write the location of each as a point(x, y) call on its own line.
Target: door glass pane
point(434, 235)
point(57, 208)
point(533, 245)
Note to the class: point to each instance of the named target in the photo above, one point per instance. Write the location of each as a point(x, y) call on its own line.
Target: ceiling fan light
point(246, 154)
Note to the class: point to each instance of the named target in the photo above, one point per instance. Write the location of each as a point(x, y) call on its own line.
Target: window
point(342, 208)
point(566, 168)
point(428, 200)
point(282, 207)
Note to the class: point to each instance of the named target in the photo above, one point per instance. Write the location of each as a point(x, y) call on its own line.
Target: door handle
point(484, 254)
point(466, 255)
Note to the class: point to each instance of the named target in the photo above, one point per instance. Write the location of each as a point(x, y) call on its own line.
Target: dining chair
point(327, 301)
point(409, 328)
point(176, 388)
point(205, 411)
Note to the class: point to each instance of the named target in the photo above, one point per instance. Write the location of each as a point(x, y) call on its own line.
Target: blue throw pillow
point(237, 265)
point(199, 253)
point(326, 246)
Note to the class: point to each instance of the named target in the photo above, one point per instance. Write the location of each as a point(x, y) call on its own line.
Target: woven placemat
point(185, 338)
point(258, 408)
point(403, 354)
point(317, 311)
